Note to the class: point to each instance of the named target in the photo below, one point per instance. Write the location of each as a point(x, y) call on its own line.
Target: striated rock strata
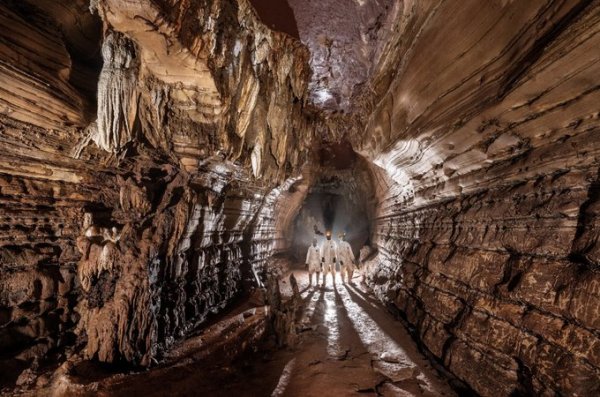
point(126, 229)
point(487, 233)
point(155, 153)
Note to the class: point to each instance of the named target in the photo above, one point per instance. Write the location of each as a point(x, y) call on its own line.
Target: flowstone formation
point(125, 229)
point(155, 154)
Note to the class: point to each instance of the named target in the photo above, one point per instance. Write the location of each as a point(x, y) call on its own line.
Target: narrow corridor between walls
point(348, 345)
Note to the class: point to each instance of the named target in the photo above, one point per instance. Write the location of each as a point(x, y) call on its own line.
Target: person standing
point(346, 258)
point(313, 262)
point(328, 257)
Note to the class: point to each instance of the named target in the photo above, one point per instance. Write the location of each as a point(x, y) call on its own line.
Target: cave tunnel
point(339, 200)
point(166, 165)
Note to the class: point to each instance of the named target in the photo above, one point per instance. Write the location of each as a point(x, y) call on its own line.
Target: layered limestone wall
point(123, 229)
point(129, 216)
point(487, 232)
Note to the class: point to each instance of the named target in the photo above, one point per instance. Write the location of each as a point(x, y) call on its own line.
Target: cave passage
point(325, 211)
point(338, 201)
point(350, 346)
point(166, 164)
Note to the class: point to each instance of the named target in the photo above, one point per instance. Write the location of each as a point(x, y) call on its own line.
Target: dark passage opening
point(340, 201)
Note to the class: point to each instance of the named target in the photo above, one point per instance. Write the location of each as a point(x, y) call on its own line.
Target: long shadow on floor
point(358, 348)
point(319, 302)
point(332, 360)
point(384, 321)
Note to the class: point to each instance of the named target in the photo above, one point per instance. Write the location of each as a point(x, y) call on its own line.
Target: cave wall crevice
point(126, 223)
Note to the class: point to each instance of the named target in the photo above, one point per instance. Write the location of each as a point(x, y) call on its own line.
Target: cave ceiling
point(344, 38)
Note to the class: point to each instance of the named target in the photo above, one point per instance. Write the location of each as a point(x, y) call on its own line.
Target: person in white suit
point(313, 262)
point(346, 258)
point(328, 257)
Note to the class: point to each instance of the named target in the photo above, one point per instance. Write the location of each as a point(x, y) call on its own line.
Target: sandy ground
point(348, 345)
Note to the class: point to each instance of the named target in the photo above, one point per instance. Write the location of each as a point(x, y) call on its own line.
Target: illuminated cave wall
point(487, 230)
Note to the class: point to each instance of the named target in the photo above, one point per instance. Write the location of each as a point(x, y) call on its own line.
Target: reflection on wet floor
point(395, 362)
point(284, 379)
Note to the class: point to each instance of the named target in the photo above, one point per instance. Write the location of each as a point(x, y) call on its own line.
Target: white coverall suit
point(328, 255)
point(346, 258)
point(313, 260)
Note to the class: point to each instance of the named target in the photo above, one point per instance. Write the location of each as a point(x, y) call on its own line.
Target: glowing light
point(323, 95)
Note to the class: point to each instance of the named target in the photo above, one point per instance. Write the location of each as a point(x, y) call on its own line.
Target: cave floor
point(348, 345)
point(353, 346)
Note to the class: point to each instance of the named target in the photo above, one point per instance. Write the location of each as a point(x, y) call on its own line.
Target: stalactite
point(117, 93)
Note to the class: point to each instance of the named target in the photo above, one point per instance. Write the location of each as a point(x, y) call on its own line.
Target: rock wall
point(489, 156)
point(129, 217)
point(343, 37)
point(122, 229)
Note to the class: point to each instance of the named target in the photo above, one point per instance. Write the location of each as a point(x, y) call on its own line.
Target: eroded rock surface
point(155, 153)
point(344, 39)
point(487, 234)
point(127, 229)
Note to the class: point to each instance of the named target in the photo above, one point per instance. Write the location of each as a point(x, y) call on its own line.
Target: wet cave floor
point(348, 345)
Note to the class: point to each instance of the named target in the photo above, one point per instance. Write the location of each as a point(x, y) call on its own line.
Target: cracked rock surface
point(487, 231)
point(343, 38)
point(125, 230)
